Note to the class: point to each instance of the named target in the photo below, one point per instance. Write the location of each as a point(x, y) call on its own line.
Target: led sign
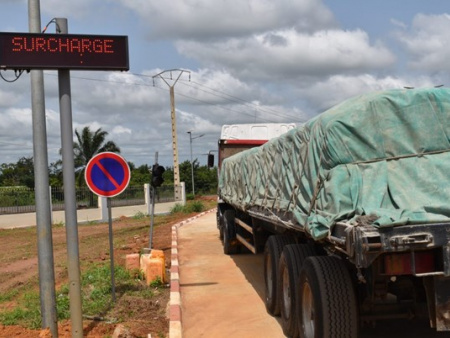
point(63, 51)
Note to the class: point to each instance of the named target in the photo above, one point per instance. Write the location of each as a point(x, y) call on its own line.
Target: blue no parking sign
point(107, 174)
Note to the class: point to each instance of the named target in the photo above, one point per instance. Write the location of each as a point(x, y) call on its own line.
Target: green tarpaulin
point(384, 154)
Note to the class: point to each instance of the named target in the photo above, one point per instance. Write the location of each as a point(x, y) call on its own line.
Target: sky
point(243, 61)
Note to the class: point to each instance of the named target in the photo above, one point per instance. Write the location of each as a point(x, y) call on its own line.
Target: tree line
point(88, 144)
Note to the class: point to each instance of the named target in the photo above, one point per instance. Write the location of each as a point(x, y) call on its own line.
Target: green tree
point(168, 176)
point(140, 175)
point(20, 173)
point(56, 174)
point(205, 179)
point(185, 174)
point(90, 144)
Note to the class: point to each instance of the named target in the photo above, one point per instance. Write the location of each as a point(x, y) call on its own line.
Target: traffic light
point(157, 175)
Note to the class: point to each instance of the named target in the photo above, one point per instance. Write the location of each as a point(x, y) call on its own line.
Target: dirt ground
point(19, 267)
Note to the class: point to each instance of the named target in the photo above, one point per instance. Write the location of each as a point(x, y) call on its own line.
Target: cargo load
point(381, 158)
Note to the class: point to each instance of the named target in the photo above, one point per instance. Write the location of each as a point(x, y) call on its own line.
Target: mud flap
point(442, 299)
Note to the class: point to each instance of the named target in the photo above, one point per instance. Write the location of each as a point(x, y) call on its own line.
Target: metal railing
point(15, 200)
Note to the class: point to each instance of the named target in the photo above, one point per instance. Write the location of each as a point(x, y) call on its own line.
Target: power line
point(239, 100)
point(229, 97)
point(226, 96)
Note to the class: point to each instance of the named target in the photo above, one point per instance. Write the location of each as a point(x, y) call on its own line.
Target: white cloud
point(399, 23)
point(289, 54)
point(325, 94)
point(70, 9)
point(120, 130)
point(14, 119)
point(213, 86)
point(9, 98)
point(428, 42)
point(204, 19)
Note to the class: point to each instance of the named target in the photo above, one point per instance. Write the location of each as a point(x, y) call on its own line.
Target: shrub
point(176, 208)
point(195, 206)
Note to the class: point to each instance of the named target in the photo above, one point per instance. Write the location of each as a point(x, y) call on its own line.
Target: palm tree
point(90, 144)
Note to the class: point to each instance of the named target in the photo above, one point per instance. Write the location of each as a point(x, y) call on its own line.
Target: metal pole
point(152, 196)
point(111, 250)
point(70, 202)
point(192, 164)
point(43, 217)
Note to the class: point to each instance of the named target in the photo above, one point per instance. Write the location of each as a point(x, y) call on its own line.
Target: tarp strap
point(401, 157)
point(319, 186)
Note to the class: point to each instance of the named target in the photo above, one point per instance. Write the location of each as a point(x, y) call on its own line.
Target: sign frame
point(106, 169)
point(63, 51)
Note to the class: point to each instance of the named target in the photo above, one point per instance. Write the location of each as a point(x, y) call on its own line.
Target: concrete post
point(103, 206)
point(183, 193)
point(147, 198)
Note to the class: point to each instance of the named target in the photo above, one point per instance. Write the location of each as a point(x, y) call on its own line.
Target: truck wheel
point(327, 304)
point(221, 227)
point(230, 246)
point(219, 221)
point(272, 251)
point(291, 262)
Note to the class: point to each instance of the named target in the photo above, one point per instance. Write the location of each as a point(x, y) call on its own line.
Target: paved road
point(83, 215)
point(222, 296)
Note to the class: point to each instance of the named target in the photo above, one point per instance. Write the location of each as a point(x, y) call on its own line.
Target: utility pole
point(176, 168)
point(43, 212)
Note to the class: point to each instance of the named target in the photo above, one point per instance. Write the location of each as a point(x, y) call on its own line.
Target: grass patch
point(95, 292)
point(190, 207)
point(195, 206)
point(59, 224)
point(139, 215)
point(176, 208)
point(157, 282)
point(8, 296)
point(28, 312)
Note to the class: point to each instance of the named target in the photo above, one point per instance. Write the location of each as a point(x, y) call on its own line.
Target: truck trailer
point(351, 211)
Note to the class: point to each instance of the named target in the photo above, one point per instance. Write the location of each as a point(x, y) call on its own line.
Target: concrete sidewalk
point(220, 295)
point(83, 215)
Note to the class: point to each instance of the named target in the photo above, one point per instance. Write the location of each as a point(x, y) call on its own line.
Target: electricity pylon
point(176, 169)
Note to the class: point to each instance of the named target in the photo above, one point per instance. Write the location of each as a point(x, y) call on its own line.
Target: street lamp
point(192, 163)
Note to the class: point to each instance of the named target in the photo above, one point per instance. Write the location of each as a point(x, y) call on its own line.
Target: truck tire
point(291, 262)
point(220, 223)
point(272, 252)
point(230, 246)
point(327, 305)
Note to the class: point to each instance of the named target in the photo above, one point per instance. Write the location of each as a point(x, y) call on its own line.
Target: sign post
point(43, 213)
point(73, 255)
point(107, 175)
point(36, 52)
